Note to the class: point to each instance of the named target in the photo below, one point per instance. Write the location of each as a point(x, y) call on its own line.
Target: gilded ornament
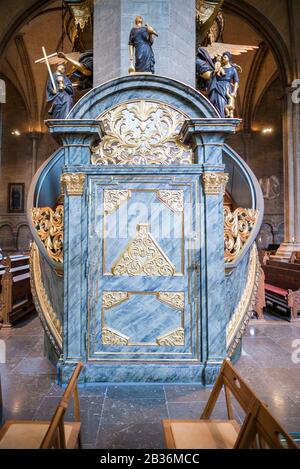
point(215, 183)
point(73, 184)
point(113, 199)
point(173, 338)
point(113, 298)
point(112, 337)
point(143, 256)
point(142, 133)
point(50, 229)
point(172, 199)
point(238, 226)
point(173, 299)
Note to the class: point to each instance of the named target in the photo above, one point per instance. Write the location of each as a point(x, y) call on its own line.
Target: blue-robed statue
point(141, 40)
point(219, 78)
point(61, 99)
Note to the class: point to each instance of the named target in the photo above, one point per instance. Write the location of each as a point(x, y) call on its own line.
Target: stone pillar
point(76, 136)
point(174, 49)
point(207, 139)
point(35, 137)
point(291, 158)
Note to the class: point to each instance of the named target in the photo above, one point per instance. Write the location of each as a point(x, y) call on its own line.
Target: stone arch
point(144, 87)
point(24, 237)
point(7, 237)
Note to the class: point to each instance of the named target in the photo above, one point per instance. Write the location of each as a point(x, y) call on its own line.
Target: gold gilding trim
point(215, 183)
point(113, 298)
point(113, 199)
point(172, 199)
point(112, 337)
point(142, 133)
point(240, 313)
point(143, 256)
point(72, 184)
point(173, 299)
point(173, 338)
point(41, 300)
point(50, 228)
point(238, 226)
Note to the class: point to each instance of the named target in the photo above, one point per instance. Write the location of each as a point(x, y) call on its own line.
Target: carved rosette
point(173, 299)
point(113, 199)
point(143, 256)
point(142, 133)
point(173, 338)
point(215, 183)
point(50, 228)
point(238, 226)
point(113, 298)
point(72, 184)
point(112, 337)
point(172, 199)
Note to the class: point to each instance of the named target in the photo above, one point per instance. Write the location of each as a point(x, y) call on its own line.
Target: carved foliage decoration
point(237, 229)
point(142, 133)
point(173, 299)
point(172, 199)
point(175, 338)
point(113, 199)
point(112, 337)
point(143, 256)
point(50, 228)
point(73, 184)
point(215, 183)
point(113, 298)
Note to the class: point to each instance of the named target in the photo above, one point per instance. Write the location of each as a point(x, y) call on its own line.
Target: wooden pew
point(283, 288)
point(15, 292)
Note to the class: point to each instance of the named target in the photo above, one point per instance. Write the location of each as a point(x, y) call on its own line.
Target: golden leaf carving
point(112, 337)
point(215, 183)
point(173, 299)
point(172, 199)
point(173, 338)
point(50, 228)
point(238, 226)
point(143, 256)
point(142, 133)
point(113, 298)
point(113, 199)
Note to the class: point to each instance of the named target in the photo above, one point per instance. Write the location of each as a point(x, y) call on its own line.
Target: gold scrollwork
point(112, 337)
point(50, 228)
point(72, 183)
point(238, 226)
point(174, 299)
point(42, 303)
point(143, 256)
point(215, 183)
point(81, 13)
point(172, 199)
point(173, 338)
point(142, 133)
point(113, 199)
point(113, 298)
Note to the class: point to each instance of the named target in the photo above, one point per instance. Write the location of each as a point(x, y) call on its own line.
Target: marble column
point(174, 49)
point(291, 158)
point(207, 139)
point(76, 136)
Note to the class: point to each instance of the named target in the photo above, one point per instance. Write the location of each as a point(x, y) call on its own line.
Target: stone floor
point(129, 416)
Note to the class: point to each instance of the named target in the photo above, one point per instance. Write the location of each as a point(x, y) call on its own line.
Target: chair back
point(262, 431)
point(233, 384)
point(55, 436)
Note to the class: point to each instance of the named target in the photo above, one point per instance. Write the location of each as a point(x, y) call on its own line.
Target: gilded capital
point(72, 184)
point(215, 183)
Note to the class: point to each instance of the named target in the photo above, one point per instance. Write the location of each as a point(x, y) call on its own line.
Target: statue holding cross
point(59, 89)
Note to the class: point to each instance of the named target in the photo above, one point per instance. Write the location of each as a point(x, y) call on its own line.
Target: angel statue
point(141, 40)
point(219, 77)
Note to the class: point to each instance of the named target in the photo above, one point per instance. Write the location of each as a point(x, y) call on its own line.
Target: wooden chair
point(226, 434)
point(57, 434)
